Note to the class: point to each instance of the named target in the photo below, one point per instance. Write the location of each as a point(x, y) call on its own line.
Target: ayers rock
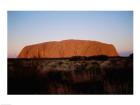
point(67, 48)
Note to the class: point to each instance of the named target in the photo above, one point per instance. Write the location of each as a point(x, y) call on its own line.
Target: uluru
point(67, 48)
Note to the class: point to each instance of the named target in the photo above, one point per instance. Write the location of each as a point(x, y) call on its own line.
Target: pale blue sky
point(30, 27)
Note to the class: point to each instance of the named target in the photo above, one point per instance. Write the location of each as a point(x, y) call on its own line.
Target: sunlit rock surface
point(67, 48)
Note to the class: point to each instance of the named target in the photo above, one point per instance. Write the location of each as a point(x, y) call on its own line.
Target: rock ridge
point(67, 48)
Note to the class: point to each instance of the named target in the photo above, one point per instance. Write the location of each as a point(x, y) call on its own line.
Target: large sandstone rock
point(67, 48)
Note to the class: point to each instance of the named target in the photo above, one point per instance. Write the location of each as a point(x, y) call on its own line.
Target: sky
point(32, 27)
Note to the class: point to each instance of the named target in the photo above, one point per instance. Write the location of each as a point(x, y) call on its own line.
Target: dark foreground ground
point(70, 76)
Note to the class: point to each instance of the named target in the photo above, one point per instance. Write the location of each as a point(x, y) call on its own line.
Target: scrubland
point(109, 75)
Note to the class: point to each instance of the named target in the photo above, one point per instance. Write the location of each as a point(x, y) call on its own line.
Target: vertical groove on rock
point(86, 50)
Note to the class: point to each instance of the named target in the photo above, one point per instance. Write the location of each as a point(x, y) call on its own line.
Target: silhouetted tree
point(131, 56)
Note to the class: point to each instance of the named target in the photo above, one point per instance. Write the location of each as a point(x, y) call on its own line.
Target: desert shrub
point(94, 69)
point(65, 65)
point(102, 57)
point(106, 65)
point(75, 58)
point(60, 62)
point(98, 57)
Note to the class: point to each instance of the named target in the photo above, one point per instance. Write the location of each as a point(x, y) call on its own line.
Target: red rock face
point(67, 48)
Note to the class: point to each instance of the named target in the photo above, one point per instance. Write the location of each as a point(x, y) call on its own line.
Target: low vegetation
point(76, 75)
